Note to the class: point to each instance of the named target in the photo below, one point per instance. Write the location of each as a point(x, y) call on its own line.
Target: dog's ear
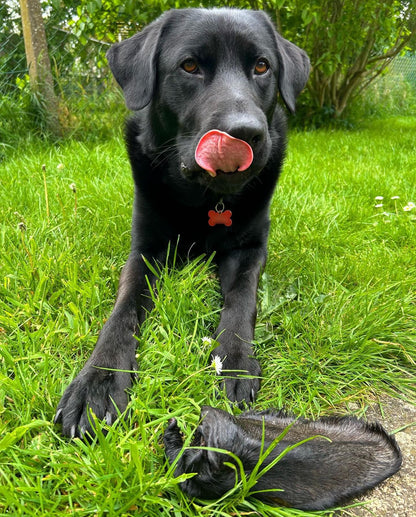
point(294, 67)
point(134, 62)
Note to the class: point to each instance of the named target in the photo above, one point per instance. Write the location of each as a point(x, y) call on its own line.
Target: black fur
point(173, 194)
point(316, 475)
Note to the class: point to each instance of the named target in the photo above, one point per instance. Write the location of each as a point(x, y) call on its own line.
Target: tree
point(38, 59)
point(350, 43)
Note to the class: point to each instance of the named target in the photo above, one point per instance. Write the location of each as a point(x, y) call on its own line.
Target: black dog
point(315, 475)
point(206, 146)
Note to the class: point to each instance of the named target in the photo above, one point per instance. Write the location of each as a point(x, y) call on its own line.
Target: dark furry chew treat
point(353, 457)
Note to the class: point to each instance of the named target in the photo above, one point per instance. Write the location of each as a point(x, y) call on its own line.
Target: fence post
point(37, 57)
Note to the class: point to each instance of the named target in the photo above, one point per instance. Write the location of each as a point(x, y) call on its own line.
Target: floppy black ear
point(133, 63)
point(294, 69)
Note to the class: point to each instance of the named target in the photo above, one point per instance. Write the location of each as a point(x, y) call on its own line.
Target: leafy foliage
point(350, 43)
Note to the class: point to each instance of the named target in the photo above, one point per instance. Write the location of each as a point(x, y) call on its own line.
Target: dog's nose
point(250, 130)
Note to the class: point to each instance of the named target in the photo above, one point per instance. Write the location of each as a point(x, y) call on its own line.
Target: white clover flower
point(217, 364)
point(380, 205)
point(394, 198)
point(379, 198)
point(206, 341)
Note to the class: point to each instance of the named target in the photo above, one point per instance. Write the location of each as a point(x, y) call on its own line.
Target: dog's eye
point(190, 66)
point(261, 66)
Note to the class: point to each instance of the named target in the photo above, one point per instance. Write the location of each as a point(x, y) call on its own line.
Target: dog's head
point(199, 70)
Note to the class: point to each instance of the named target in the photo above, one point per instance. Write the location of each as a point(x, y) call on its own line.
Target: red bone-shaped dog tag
point(220, 216)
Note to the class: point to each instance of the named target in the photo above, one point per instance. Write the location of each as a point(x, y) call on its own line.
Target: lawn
point(335, 331)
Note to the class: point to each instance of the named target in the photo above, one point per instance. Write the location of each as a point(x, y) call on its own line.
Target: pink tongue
point(219, 151)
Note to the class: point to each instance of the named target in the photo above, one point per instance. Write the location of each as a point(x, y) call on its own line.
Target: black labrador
point(206, 146)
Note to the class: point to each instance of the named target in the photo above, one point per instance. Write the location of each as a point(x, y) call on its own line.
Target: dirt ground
point(396, 497)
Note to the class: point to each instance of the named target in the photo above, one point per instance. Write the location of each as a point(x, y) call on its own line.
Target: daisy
point(217, 364)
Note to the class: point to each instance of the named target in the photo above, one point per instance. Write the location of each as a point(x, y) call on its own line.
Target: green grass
point(336, 325)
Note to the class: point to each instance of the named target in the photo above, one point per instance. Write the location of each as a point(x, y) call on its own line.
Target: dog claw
point(57, 419)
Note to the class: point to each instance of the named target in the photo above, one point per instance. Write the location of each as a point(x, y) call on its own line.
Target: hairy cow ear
point(294, 67)
point(134, 62)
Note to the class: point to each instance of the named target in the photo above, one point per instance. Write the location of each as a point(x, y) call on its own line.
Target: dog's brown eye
point(261, 67)
point(190, 66)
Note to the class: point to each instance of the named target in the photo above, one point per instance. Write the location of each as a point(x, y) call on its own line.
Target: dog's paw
point(96, 393)
point(241, 374)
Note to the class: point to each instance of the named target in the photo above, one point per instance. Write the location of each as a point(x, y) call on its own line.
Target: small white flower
point(206, 341)
point(395, 197)
point(379, 198)
point(217, 364)
point(411, 205)
point(60, 166)
point(380, 205)
point(73, 187)
point(407, 208)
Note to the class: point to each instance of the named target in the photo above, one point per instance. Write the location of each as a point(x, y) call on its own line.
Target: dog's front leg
point(239, 273)
point(101, 385)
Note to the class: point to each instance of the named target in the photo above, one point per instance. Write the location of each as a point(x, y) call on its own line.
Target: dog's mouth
point(220, 172)
point(219, 153)
point(221, 162)
point(222, 182)
point(188, 171)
